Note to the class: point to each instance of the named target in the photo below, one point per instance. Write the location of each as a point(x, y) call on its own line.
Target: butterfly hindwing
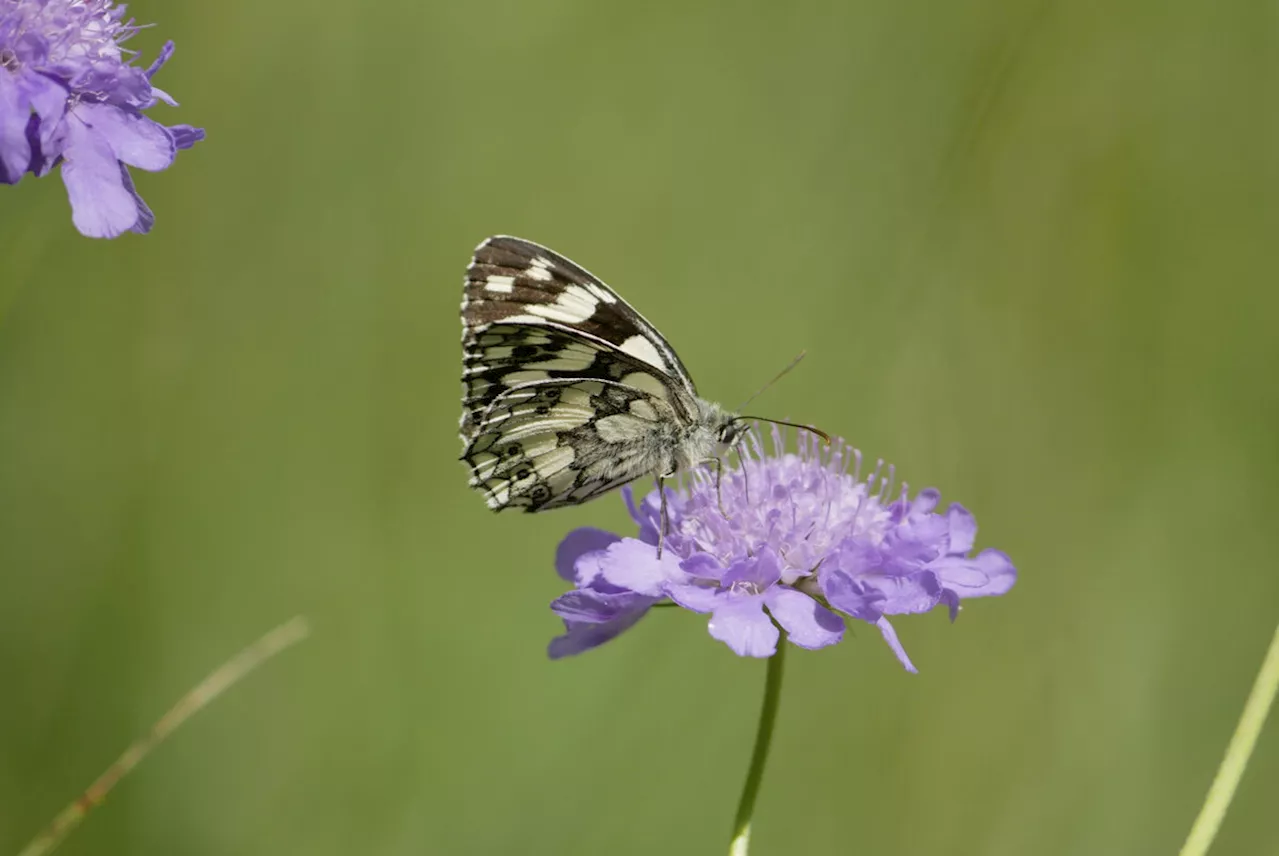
point(553, 443)
point(502, 356)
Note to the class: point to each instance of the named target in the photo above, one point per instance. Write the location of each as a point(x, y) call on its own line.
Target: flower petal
point(634, 565)
point(48, 98)
point(135, 139)
point(991, 572)
point(963, 529)
point(743, 626)
point(166, 51)
point(905, 552)
point(146, 219)
point(704, 566)
point(577, 544)
point(583, 637)
point(186, 136)
point(886, 630)
point(760, 571)
point(910, 593)
point(593, 607)
point(15, 151)
point(951, 601)
point(697, 598)
point(849, 595)
point(644, 516)
point(101, 206)
point(855, 558)
point(808, 623)
point(960, 573)
point(921, 536)
point(926, 501)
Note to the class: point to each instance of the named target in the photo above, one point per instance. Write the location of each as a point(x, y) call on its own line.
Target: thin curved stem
point(287, 634)
point(1239, 749)
point(764, 736)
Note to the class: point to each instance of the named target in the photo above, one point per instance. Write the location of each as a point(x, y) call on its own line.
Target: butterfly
point(567, 391)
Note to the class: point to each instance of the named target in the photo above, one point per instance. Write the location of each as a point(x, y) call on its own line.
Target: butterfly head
point(718, 428)
point(730, 431)
point(728, 428)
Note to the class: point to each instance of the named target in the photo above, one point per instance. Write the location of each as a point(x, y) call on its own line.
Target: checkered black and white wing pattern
point(567, 391)
point(512, 281)
point(563, 442)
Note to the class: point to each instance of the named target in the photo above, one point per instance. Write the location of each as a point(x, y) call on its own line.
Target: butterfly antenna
point(826, 438)
point(776, 378)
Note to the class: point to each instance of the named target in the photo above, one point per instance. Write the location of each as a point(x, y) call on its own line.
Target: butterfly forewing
point(517, 281)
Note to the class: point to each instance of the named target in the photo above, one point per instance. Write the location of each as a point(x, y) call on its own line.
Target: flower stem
point(764, 736)
point(1238, 751)
point(287, 634)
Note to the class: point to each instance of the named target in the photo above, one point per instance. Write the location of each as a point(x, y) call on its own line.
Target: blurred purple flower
point(70, 95)
point(803, 540)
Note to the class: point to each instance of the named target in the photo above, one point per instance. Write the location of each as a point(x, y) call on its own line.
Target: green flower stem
point(218, 681)
point(1238, 752)
point(764, 736)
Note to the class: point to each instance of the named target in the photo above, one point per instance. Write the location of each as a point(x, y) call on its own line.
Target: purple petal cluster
point(790, 540)
point(70, 95)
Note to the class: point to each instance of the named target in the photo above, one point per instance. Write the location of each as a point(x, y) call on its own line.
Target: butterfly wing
point(535, 324)
point(499, 357)
point(552, 443)
point(514, 281)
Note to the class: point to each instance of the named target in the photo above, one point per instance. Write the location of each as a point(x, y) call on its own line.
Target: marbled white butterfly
point(567, 392)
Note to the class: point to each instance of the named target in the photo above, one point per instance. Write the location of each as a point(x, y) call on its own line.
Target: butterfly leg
point(719, 499)
point(742, 465)
point(662, 513)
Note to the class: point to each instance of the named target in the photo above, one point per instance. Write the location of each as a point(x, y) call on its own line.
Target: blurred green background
point(1029, 248)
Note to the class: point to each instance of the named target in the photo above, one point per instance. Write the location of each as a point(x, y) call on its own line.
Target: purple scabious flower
point(70, 95)
point(791, 540)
